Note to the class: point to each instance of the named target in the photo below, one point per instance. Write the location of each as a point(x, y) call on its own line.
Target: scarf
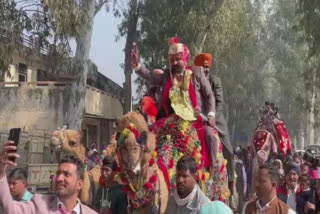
point(183, 201)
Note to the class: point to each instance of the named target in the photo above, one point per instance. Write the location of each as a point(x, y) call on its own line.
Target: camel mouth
point(135, 170)
point(55, 143)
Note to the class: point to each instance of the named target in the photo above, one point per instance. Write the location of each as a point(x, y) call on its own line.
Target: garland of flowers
point(139, 198)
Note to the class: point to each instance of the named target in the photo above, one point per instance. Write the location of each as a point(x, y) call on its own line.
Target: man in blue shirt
point(17, 184)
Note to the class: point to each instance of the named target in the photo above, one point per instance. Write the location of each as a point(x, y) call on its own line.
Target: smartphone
point(14, 135)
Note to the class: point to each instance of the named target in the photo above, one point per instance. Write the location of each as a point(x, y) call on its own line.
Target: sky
point(105, 52)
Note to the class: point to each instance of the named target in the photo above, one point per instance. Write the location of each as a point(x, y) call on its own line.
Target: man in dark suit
point(205, 60)
point(193, 86)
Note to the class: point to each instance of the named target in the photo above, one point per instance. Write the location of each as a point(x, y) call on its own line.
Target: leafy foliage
point(256, 59)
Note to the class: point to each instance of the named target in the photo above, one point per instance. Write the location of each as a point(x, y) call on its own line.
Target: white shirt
point(75, 210)
point(291, 199)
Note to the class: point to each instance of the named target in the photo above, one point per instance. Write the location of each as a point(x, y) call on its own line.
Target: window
point(22, 72)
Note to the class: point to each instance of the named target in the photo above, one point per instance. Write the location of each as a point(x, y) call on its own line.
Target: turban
point(292, 166)
point(176, 47)
point(203, 59)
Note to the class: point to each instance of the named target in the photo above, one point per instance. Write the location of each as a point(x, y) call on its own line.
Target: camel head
point(135, 144)
point(68, 141)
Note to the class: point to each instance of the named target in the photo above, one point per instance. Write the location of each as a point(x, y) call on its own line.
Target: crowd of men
point(281, 187)
point(110, 198)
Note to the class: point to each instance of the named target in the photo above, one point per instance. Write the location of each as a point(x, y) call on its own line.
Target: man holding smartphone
point(68, 183)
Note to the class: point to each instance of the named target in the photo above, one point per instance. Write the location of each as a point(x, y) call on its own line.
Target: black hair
point(109, 161)
point(187, 163)
point(18, 174)
point(273, 173)
point(76, 161)
point(304, 178)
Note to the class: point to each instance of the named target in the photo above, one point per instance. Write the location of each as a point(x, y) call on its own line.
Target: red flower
point(172, 125)
point(221, 169)
point(187, 139)
point(203, 177)
point(171, 164)
point(176, 145)
point(153, 178)
point(151, 162)
point(166, 147)
point(148, 185)
point(124, 180)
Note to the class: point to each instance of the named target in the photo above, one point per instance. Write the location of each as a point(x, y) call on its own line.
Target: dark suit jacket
point(221, 122)
point(205, 97)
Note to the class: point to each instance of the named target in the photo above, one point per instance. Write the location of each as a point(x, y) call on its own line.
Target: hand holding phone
point(7, 157)
point(14, 135)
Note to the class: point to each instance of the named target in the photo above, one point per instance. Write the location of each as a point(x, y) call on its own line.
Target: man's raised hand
point(5, 154)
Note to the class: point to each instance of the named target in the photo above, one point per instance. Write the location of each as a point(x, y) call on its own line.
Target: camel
point(69, 141)
point(143, 180)
point(270, 139)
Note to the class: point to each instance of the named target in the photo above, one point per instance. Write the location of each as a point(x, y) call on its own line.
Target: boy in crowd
point(306, 194)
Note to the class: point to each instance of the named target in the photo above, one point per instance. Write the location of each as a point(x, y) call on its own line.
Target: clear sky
point(105, 52)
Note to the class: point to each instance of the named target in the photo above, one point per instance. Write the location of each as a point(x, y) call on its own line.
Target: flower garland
point(131, 128)
point(139, 198)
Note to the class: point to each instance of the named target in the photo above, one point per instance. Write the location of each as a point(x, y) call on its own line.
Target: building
point(35, 99)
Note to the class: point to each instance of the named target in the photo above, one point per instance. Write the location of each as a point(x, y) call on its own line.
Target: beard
point(176, 69)
point(64, 191)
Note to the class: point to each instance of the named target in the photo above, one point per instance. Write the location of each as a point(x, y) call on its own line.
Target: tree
point(74, 19)
point(129, 28)
point(308, 12)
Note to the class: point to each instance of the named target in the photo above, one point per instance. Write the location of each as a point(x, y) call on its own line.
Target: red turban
point(203, 59)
